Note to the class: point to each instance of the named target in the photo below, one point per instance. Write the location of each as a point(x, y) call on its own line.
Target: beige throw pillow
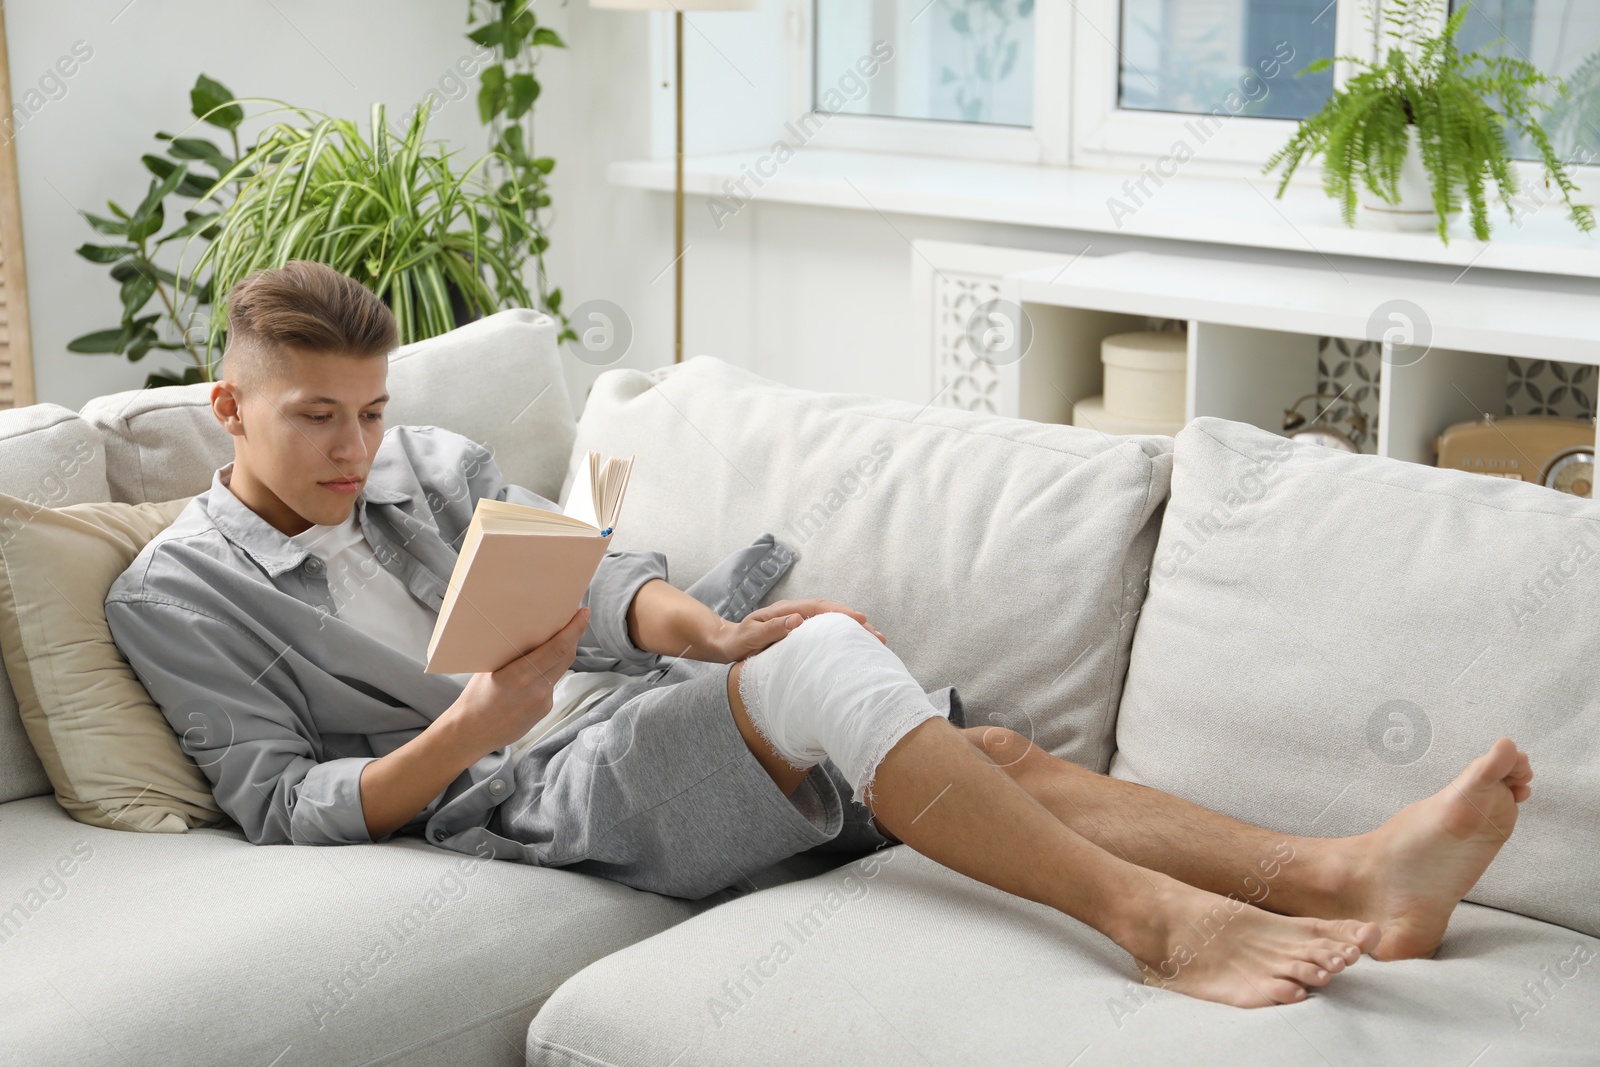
point(111, 755)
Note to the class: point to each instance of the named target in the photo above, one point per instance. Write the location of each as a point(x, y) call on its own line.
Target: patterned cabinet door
point(962, 376)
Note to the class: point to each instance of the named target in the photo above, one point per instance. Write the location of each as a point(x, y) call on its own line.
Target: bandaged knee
point(830, 689)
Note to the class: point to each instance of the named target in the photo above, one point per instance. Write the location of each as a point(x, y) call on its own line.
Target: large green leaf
point(100, 342)
point(109, 227)
point(160, 189)
point(206, 100)
point(196, 185)
point(129, 267)
point(136, 292)
point(544, 35)
point(147, 223)
point(141, 339)
point(524, 90)
point(491, 91)
point(105, 253)
point(201, 149)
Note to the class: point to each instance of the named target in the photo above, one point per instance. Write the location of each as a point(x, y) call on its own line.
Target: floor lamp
point(678, 7)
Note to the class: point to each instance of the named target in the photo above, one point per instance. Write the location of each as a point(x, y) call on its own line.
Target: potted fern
point(1423, 130)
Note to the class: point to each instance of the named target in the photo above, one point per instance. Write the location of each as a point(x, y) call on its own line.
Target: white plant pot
point(1415, 209)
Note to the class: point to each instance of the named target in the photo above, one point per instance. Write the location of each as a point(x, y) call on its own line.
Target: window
point(1120, 83)
point(1189, 55)
point(1561, 38)
point(942, 60)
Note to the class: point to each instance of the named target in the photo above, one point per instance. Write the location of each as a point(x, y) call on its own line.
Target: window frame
point(1043, 142)
point(1116, 137)
point(1076, 120)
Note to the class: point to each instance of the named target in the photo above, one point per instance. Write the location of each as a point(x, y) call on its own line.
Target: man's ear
point(226, 405)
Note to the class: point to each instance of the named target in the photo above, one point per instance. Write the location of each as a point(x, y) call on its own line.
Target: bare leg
point(1183, 938)
point(1407, 875)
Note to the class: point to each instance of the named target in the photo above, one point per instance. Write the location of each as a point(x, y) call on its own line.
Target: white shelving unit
point(1253, 333)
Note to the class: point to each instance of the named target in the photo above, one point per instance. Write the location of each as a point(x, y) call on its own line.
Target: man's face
point(305, 439)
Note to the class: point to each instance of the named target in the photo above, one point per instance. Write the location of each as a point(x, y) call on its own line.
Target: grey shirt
point(233, 631)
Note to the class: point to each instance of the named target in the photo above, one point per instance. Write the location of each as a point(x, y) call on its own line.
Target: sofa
point(1289, 635)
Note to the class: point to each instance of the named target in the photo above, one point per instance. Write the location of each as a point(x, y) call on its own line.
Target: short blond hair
point(305, 306)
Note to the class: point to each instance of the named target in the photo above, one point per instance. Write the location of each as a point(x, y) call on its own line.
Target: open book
point(523, 571)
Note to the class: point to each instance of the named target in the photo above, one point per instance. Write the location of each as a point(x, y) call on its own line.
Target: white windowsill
point(1230, 211)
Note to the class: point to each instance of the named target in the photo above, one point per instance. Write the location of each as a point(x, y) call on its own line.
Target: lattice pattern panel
point(1545, 387)
point(960, 378)
point(1350, 369)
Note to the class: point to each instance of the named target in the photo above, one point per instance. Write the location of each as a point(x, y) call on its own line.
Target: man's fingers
point(556, 655)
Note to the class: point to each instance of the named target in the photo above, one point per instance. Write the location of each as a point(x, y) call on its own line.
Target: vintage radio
point(1545, 449)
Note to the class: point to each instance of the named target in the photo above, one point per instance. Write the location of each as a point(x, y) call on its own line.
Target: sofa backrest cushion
point(1330, 637)
point(49, 457)
point(1002, 556)
point(109, 751)
point(498, 380)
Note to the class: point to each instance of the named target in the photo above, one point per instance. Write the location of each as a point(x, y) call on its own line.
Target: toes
point(1362, 936)
point(1307, 974)
point(1494, 764)
point(1281, 991)
point(1331, 956)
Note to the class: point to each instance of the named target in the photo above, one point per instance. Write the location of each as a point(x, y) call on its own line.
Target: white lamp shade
point(676, 5)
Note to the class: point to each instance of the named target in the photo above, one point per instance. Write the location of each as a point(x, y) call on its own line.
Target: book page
point(580, 503)
point(611, 481)
point(597, 498)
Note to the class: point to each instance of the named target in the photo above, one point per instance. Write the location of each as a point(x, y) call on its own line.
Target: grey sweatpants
point(655, 788)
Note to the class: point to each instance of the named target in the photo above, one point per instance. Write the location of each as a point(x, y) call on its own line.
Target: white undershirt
point(368, 597)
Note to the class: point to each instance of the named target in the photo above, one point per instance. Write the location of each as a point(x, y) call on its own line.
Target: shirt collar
point(266, 544)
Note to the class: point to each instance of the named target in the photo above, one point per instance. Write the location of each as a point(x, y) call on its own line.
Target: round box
point(1091, 412)
point(1145, 375)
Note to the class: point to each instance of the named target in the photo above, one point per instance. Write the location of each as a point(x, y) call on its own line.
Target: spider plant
point(1456, 106)
point(386, 208)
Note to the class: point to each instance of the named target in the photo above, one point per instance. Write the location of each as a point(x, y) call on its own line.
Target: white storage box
point(1145, 376)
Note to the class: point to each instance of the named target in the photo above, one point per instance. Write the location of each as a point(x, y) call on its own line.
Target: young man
point(281, 621)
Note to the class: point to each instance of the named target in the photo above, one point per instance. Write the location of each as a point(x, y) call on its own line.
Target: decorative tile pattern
point(1351, 369)
point(1545, 387)
point(960, 378)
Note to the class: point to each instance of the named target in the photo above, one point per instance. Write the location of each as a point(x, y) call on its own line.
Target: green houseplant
point(140, 249)
point(1428, 111)
point(388, 208)
point(507, 89)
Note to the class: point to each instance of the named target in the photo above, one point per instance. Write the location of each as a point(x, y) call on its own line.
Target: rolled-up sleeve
point(239, 715)
point(605, 645)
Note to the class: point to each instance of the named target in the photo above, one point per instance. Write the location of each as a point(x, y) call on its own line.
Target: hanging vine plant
point(507, 89)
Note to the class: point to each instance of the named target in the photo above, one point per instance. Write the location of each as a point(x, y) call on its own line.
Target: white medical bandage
point(831, 689)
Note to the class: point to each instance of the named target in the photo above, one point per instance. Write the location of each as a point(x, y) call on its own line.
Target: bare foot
point(1409, 873)
point(1225, 950)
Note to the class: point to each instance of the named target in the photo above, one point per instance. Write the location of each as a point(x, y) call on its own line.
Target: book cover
point(522, 573)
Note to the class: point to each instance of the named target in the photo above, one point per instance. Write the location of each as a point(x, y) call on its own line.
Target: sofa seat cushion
point(894, 959)
point(1330, 637)
point(1001, 556)
point(202, 948)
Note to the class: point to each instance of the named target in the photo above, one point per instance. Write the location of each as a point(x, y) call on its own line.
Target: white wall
point(82, 149)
